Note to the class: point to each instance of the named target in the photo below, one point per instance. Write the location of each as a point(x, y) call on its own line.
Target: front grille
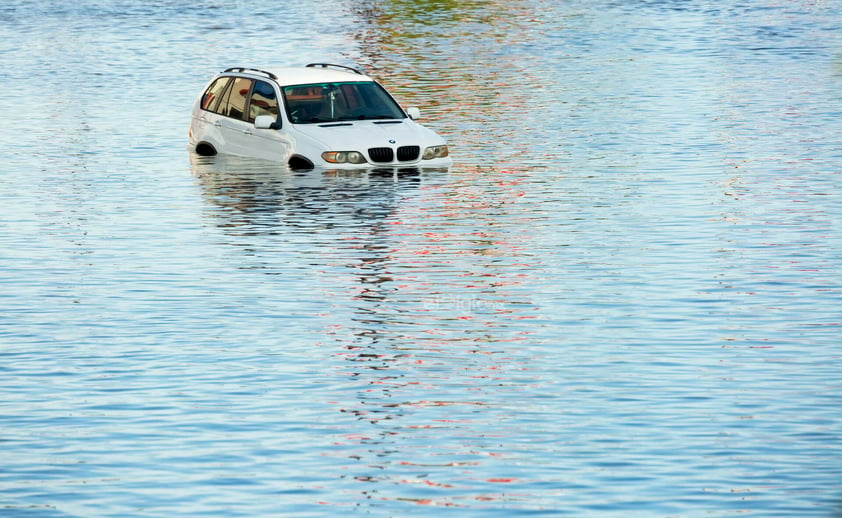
point(381, 154)
point(407, 153)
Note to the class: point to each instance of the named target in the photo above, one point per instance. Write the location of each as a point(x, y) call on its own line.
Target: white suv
point(321, 115)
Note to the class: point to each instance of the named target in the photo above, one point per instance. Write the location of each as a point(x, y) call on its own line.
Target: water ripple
point(622, 298)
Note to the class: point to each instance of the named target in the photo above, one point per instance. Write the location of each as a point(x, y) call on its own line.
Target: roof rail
point(244, 69)
point(325, 65)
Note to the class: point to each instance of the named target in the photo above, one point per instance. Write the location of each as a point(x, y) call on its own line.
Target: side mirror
point(265, 122)
point(414, 113)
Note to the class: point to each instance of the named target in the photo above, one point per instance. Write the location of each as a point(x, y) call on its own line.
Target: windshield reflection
point(254, 197)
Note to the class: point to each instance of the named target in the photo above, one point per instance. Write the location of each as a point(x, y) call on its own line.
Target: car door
point(269, 144)
point(234, 130)
point(245, 100)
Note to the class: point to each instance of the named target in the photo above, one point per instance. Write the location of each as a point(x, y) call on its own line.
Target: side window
point(210, 101)
point(236, 106)
point(263, 101)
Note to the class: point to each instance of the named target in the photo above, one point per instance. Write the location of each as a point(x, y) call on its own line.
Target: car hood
point(361, 135)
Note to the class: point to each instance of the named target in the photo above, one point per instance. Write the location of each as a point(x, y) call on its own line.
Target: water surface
point(622, 299)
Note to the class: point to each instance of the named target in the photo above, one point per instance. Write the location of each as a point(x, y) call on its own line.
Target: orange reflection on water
point(438, 291)
point(481, 105)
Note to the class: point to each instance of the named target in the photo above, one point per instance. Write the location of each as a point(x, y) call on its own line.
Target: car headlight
point(435, 152)
point(343, 157)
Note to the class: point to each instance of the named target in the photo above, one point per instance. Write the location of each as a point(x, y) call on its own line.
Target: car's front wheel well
point(298, 163)
point(205, 149)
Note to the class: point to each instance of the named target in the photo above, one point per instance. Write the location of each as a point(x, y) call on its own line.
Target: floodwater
point(623, 298)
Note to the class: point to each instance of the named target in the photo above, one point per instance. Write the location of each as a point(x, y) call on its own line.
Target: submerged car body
point(321, 115)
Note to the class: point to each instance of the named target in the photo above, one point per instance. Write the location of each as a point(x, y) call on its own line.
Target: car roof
point(285, 76)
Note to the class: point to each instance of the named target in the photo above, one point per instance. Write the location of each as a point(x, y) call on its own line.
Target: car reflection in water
point(410, 361)
point(251, 197)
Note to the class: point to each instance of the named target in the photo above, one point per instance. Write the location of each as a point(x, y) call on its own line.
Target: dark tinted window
point(215, 92)
point(263, 101)
point(235, 103)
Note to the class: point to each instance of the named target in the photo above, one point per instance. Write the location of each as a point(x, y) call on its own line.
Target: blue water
point(623, 299)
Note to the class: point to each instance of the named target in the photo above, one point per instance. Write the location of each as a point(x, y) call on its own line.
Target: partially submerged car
point(321, 115)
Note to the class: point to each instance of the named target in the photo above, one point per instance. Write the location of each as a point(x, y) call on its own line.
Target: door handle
point(217, 123)
point(247, 131)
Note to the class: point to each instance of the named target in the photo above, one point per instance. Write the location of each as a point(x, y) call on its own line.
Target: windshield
point(332, 102)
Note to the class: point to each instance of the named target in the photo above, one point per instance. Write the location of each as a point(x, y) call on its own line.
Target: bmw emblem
point(392, 141)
